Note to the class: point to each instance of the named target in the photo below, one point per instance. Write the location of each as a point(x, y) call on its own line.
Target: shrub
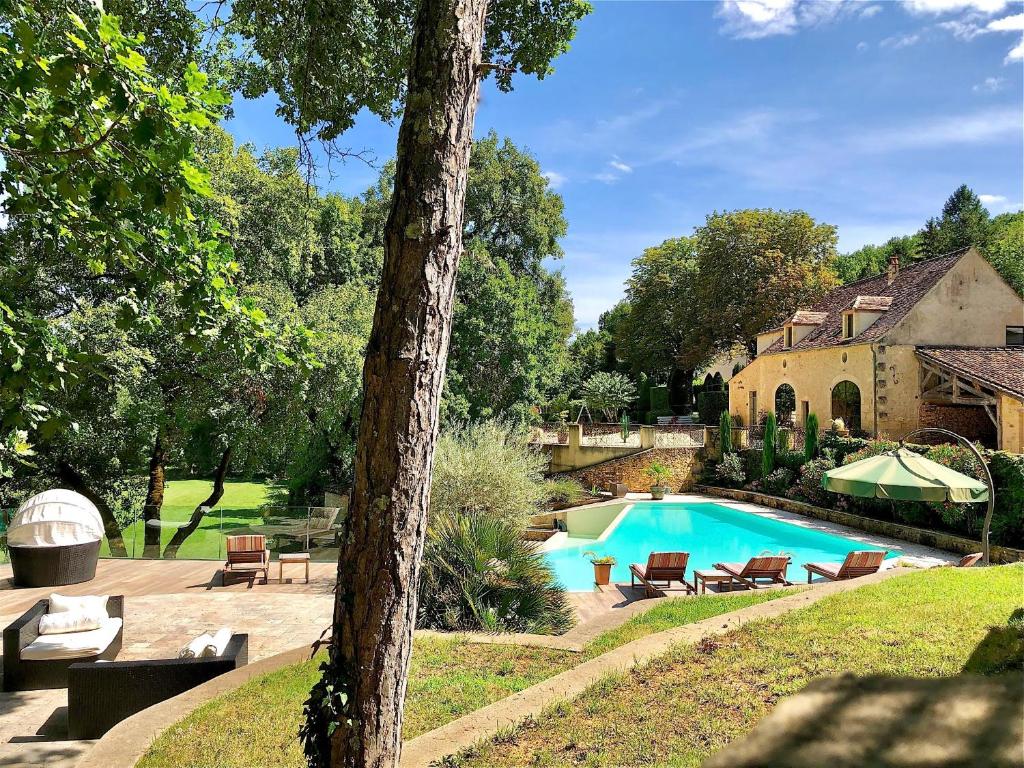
point(811, 437)
point(489, 469)
point(790, 460)
point(869, 449)
point(778, 482)
point(768, 454)
point(1008, 518)
point(725, 432)
point(659, 402)
point(608, 393)
point(808, 487)
point(753, 462)
point(659, 473)
point(480, 574)
point(785, 440)
point(710, 406)
point(729, 471)
point(962, 460)
point(564, 490)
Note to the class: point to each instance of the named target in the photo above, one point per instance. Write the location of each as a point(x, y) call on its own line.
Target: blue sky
point(865, 114)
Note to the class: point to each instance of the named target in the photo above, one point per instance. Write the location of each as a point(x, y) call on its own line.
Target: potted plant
point(660, 475)
point(602, 567)
point(839, 427)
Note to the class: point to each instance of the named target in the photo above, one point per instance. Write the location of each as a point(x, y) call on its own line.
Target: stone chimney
point(894, 267)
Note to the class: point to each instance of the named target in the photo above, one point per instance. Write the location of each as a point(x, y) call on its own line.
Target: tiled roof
point(909, 287)
point(1001, 368)
point(872, 303)
point(806, 317)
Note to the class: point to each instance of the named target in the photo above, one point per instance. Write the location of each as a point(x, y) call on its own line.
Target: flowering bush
point(729, 471)
point(778, 482)
point(808, 487)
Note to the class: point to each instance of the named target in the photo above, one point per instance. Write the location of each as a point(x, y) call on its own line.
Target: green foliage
point(608, 393)
point(659, 473)
point(964, 221)
point(480, 574)
point(486, 469)
point(725, 432)
point(103, 195)
point(659, 401)
point(962, 460)
point(624, 426)
point(811, 429)
point(755, 268)
point(711, 405)
point(771, 435)
point(1005, 249)
point(729, 471)
point(808, 487)
point(778, 481)
point(564, 491)
point(1008, 518)
point(871, 260)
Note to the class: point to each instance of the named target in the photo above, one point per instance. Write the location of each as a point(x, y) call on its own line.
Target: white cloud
point(1013, 23)
point(990, 85)
point(949, 6)
point(620, 166)
point(962, 30)
point(862, 46)
point(871, 10)
point(900, 41)
point(976, 128)
point(555, 179)
point(1016, 53)
point(754, 19)
point(992, 199)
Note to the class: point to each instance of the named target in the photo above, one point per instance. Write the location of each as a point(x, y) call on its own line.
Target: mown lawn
point(239, 507)
point(257, 724)
point(680, 708)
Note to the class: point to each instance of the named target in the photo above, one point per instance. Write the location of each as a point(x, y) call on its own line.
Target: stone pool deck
point(169, 602)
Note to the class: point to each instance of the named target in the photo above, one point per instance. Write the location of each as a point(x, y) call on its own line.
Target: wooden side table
point(701, 579)
point(292, 557)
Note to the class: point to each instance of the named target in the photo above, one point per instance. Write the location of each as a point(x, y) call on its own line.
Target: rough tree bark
point(73, 479)
point(154, 497)
point(180, 535)
point(378, 566)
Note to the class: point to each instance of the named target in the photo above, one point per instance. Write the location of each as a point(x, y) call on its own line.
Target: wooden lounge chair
point(969, 561)
point(247, 554)
point(661, 566)
point(771, 567)
point(856, 564)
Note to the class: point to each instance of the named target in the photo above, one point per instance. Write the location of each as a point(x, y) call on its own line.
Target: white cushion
point(218, 643)
point(70, 621)
point(196, 647)
point(73, 645)
point(91, 603)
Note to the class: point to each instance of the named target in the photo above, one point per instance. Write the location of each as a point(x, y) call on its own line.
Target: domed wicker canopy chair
point(54, 539)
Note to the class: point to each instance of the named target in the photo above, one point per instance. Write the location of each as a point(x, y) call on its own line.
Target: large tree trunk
point(378, 566)
point(180, 535)
point(71, 477)
point(154, 497)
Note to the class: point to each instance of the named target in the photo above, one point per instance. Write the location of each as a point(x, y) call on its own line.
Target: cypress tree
point(725, 432)
point(811, 437)
point(768, 453)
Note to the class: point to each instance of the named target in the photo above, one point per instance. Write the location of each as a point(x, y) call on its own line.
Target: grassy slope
point(237, 508)
point(682, 707)
point(257, 724)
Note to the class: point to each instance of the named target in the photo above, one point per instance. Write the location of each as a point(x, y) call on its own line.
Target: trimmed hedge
point(659, 403)
point(710, 405)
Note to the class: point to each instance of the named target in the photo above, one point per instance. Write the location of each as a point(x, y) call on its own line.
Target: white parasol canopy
point(55, 518)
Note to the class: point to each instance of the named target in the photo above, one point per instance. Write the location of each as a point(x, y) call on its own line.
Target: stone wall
point(971, 421)
point(937, 539)
point(684, 463)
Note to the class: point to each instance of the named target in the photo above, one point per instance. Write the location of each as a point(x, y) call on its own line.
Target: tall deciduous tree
point(327, 62)
point(756, 267)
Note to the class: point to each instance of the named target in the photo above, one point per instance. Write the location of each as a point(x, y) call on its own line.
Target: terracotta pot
point(602, 573)
point(658, 492)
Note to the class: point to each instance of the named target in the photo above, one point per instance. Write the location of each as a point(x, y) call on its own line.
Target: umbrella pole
point(985, 470)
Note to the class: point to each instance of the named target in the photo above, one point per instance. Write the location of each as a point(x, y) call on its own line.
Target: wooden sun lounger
point(661, 566)
point(862, 563)
point(969, 561)
point(247, 554)
point(772, 567)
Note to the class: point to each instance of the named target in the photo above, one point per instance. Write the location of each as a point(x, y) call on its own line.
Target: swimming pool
point(711, 533)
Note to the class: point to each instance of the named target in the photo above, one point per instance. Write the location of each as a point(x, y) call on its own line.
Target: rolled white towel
point(197, 647)
point(218, 643)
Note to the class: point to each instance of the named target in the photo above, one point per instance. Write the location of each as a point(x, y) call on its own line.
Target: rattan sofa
point(102, 695)
point(54, 566)
point(30, 674)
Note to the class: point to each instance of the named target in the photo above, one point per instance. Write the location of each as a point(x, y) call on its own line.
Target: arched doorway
point(785, 404)
point(846, 404)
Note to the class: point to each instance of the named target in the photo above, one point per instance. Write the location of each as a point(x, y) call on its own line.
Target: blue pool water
point(709, 532)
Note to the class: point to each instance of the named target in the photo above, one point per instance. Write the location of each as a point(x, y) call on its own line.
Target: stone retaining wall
point(684, 464)
point(937, 539)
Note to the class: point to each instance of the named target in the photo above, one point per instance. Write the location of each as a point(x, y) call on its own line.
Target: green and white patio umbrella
point(902, 475)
